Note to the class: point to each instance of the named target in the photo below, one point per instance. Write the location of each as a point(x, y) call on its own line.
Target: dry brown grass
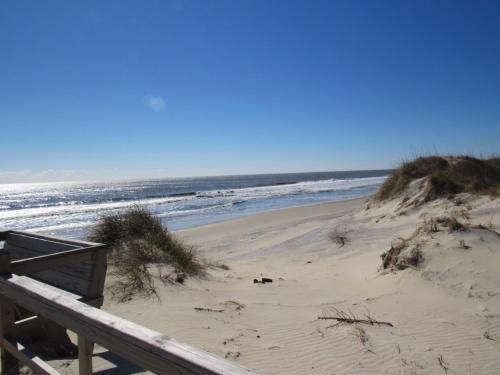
point(453, 224)
point(404, 253)
point(463, 214)
point(348, 317)
point(447, 176)
point(428, 227)
point(435, 224)
point(363, 338)
point(339, 236)
point(138, 242)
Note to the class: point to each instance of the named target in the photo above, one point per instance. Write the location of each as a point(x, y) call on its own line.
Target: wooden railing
point(144, 347)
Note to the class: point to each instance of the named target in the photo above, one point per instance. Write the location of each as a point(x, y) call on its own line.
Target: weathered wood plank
point(44, 262)
point(30, 321)
point(65, 264)
point(85, 351)
point(19, 254)
point(98, 275)
point(77, 243)
point(142, 346)
point(66, 271)
point(62, 275)
point(43, 246)
point(28, 358)
point(67, 278)
point(8, 362)
point(63, 292)
point(7, 320)
point(64, 280)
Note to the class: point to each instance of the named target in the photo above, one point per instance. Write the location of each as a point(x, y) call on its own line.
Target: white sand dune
point(445, 312)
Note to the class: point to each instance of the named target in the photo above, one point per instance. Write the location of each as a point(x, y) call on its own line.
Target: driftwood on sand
point(208, 309)
point(349, 318)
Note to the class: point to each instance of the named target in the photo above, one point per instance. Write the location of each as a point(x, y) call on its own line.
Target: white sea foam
point(63, 207)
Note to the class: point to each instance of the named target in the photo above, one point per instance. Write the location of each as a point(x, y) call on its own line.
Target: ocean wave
point(74, 221)
point(65, 226)
point(305, 187)
point(205, 198)
point(66, 208)
point(55, 210)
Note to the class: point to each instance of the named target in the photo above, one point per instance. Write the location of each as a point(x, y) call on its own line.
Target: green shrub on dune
point(138, 240)
point(446, 176)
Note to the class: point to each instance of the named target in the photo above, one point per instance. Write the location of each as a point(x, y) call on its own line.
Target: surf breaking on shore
point(69, 209)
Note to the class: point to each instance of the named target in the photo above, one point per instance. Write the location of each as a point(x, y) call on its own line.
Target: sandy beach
point(250, 187)
point(445, 315)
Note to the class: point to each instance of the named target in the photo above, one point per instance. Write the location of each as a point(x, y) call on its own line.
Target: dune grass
point(138, 243)
point(404, 253)
point(339, 236)
point(446, 176)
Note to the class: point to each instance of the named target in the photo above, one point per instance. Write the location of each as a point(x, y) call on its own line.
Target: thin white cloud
point(156, 103)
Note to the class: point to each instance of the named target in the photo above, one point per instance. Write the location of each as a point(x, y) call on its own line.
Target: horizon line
point(187, 177)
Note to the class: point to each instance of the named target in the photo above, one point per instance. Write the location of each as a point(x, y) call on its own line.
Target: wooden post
point(8, 362)
point(85, 350)
point(96, 286)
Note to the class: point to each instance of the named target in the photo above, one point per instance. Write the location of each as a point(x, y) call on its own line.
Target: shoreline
point(225, 217)
point(282, 217)
point(184, 204)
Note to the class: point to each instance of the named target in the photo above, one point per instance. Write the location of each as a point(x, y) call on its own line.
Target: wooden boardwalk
point(146, 348)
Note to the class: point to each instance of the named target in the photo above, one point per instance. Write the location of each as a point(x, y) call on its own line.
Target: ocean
point(70, 209)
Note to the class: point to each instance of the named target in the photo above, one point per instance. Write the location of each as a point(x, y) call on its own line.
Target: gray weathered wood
point(77, 243)
point(74, 277)
point(44, 262)
point(43, 246)
point(64, 280)
point(7, 320)
point(98, 274)
point(28, 358)
point(8, 362)
point(76, 266)
point(22, 246)
point(85, 351)
point(144, 347)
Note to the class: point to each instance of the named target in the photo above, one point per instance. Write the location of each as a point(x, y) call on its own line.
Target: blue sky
point(132, 89)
